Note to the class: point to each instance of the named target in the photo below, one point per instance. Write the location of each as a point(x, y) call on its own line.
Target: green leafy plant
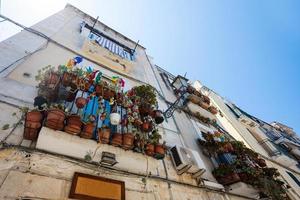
point(146, 94)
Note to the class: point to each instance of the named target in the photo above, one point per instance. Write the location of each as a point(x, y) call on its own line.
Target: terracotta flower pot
point(52, 80)
point(190, 89)
point(128, 140)
point(261, 162)
point(203, 105)
point(228, 179)
point(31, 133)
point(150, 149)
point(146, 127)
point(66, 79)
point(34, 116)
point(206, 99)
point(55, 119)
point(213, 110)
point(103, 135)
point(88, 130)
point(117, 140)
point(73, 125)
point(160, 151)
point(81, 102)
point(158, 116)
point(194, 99)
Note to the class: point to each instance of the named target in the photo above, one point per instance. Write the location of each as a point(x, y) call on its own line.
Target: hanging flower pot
point(104, 135)
point(88, 130)
point(115, 118)
point(55, 119)
point(66, 79)
point(71, 95)
point(128, 139)
point(158, 116)
point(52, 80)
point(81, 102)
point(150, 149)
point(117, 140)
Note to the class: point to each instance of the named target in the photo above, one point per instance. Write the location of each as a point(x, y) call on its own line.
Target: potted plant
point(128, 138)
point(56, 117)
point(73, 124)
point(146, 125)
point(159, 149)
point(81, 102)
point(261, 162)
point(226, 175)
point(88, 128)
point(145, 97)
point(194, 99)
point(117, 139)
point(33, 123)
point(213, 110)
point(104, 134)
point(157, 115)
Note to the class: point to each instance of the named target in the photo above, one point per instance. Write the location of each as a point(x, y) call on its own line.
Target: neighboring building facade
point(44, 169)
point(274, 141)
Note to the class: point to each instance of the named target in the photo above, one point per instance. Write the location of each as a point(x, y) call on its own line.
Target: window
point(293, 177)
point(107, 42)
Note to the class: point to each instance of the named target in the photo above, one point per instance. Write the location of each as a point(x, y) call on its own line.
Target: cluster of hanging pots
point(65, 85)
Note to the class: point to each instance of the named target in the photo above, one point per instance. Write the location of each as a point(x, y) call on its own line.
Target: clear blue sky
point(247, 51)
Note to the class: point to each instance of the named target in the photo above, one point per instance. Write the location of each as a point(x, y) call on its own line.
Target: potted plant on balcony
point(73, 124)
point(56, 117)
point(159, 149)
point(147, 124)
point(81, 102)
point(104, 134)
point(194, 99)
point(128, 138)
point(145, 96)
point(117, 138)
point(157, 115)
point(88, 128)
point(213, 110)
point(226, 175)
point(33, 123)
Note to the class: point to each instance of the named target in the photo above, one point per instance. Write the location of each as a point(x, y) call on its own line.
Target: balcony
point(89, 105)
point(240, 168)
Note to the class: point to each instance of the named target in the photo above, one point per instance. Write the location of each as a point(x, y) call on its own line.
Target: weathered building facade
point(44, 169)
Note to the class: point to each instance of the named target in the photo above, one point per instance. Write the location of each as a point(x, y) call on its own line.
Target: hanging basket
point(115, 118)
